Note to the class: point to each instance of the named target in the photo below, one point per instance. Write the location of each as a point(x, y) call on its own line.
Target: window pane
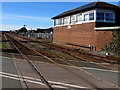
point(60, 21)
point(78, 17)
point(66, 20)
point(86, 17)
point(100, 16)
point(81, 17)
point(56, 22)
point(72, 19)
point(109, 17)
point(91, 17)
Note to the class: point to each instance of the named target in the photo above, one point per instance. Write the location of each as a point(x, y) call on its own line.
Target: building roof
point(97, 4)
point(48, 30)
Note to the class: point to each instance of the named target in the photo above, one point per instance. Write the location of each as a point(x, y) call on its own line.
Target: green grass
point(2, 45)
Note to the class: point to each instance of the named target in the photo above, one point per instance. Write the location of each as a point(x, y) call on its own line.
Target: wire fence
point(48, 36)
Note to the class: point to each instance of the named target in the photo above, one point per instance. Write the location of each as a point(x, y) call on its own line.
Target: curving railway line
point(25, 50)
point(68, 52)
point(76, 54)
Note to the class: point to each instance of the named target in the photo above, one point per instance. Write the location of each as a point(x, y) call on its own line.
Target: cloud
point(23, 17)
point(7, 27)
point(13, 25)
point(11, 17)
point(34, 18)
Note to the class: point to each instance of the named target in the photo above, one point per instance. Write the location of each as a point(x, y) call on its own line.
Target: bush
point(114, 47)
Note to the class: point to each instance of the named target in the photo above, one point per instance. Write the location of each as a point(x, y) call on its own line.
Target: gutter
point(107, 28)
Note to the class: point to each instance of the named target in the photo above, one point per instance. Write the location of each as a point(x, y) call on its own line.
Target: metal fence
point(39, 35)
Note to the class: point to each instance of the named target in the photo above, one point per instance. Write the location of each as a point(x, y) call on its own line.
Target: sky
point(34, 14)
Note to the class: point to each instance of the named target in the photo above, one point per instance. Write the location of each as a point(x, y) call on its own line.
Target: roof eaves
point(75, 10)
point(96, 4)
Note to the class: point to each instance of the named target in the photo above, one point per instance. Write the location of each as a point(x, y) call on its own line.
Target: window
point(100, 16)
point(60, 21)
point(72, 19)
point(91, 16)
point(108, 16)
point(78, 17)
point(56, 22)
point(66, 20)
point(86, 17)
point(105, 16)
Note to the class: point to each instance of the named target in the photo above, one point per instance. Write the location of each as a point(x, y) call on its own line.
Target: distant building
point(40, 33)
point(23, 29)
point(48, 30)
point(88, 25)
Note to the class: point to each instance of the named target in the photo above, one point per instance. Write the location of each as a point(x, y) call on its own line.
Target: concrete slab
point(71, 76)
point(106, 75)
point(26, 70)
point(86, 64)
point(9, 67)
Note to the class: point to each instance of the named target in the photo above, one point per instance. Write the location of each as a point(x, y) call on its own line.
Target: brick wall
point(82, 34)
point(103, 38)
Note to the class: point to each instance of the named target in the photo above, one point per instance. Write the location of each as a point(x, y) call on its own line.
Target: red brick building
point(88, 25)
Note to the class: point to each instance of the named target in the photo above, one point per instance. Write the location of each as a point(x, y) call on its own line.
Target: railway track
point(18, 46)
point(77, 54)
point(64, 58)
point(83, 56)
point(24, 51)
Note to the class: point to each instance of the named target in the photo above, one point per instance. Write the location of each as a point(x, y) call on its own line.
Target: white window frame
point(73, 21)
point(66, 20)
point(56, 22)
point(82, 15)
point(86, 18)
point(92, 16)
point(60, 21)
point(88, 12)
point(80, 18)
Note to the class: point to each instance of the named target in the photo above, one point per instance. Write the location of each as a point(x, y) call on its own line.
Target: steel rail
point(79, 57)
point(84, 79)
point(106, 59)
point(19, 72)
point(33, 66)
point(68, 51)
